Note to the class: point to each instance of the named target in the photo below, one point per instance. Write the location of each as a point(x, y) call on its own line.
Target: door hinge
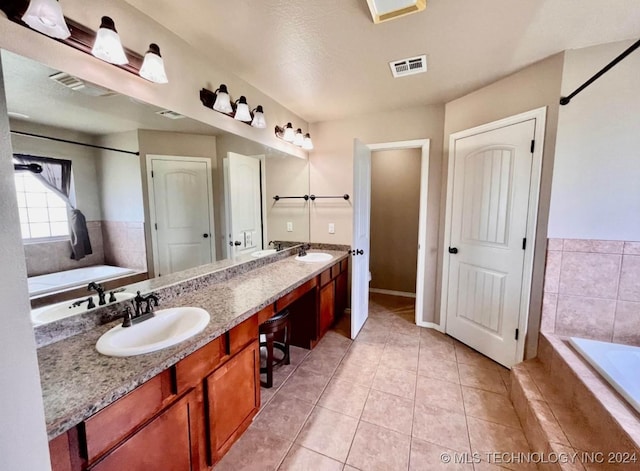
point(533, 145)
point(524, 244)
point(156, 224)
point(151, 173)
point(517, 333)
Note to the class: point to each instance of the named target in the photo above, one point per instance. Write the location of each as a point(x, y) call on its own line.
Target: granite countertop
point(77, 381)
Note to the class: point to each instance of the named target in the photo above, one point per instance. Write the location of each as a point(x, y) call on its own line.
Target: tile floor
point(396, 398)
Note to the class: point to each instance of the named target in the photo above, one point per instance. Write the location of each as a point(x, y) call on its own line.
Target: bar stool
point(280, 323)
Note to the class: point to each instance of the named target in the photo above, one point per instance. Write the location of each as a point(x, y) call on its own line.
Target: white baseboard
point(392, 293)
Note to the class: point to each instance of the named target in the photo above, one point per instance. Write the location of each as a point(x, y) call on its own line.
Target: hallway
point(396, 398)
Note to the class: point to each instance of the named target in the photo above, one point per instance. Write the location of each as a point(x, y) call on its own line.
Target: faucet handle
point(112, 294)
point(128, 321)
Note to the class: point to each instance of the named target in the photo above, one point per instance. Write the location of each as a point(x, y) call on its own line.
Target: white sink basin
point(312, 257)
point(263, 253)
point(44, 315)
point(167, 328)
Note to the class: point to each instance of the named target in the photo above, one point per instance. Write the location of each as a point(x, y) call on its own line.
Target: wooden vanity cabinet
point(332, 297)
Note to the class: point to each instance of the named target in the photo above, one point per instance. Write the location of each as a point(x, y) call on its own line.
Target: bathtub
point(618, 364)
point(51, 282)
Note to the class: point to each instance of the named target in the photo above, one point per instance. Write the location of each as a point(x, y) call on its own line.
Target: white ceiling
point(325, 59)
point(30, 92)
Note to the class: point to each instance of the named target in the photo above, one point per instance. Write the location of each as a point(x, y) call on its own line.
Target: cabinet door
point(166, 443)
point(342, 289)
point(233, 393)
point(327, 307)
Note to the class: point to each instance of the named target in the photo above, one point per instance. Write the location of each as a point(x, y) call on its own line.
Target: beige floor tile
point(487, 437)
point(389, 411)
point(356, 372)
point(322, 362)
point(438, 393)
point(489, 406)
point(435, 336)
point(300, 458)
point(257, 450)
point(350, 468)
point(481, 378)
point(483, 466)
point(430, 351)
point(329, 433)
point(440, 427)
point(345, 397)
point(439, 369)
point(402, 358)
point(402, 340)
point(393, 381)
point(284, 416)
point(429, 457)
point(469, 356)
point(364, 353)
point(379, 449)
point(280, 375)
point(297, 354)
point(373, 337)
point(266, 395)
point(305, 385)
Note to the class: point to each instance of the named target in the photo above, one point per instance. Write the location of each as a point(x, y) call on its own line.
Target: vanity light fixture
point(307, 144)
point(298, 138)
point(258, 118)
point(286, 133)
point(153, 65)
point(107, 45)
point(242, 110)
point(222, 102)
point(46, 17)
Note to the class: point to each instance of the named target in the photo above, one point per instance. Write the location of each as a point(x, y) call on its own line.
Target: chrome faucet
point(276, 245)
point(140, 315)
point(98, 288)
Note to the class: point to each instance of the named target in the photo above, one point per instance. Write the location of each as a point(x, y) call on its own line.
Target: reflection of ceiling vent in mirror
point(170, 114)
point(86, 88)
point(411, 66)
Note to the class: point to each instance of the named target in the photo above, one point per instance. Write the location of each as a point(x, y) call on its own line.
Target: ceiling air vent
point(170, 114)
point(411, 66)
point(86, 88)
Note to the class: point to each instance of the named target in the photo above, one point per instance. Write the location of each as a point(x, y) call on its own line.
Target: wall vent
point(86, 88)
point(410, 66)
point(170, 114)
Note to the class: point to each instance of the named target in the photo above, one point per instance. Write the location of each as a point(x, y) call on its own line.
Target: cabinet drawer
point(243, 334)
point(335, 270)
point(195, 367)
point(266, 313)
point(325, 277)
point(113, 423)
point(295, 294)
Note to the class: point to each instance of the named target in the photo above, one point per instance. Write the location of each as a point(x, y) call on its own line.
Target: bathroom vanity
point(182, 408)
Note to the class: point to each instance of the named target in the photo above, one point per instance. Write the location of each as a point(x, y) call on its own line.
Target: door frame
point(152, 202)
point(226, 198)
point(424, 146)
point(539, 115)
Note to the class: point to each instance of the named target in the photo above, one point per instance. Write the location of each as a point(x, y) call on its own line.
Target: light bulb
point(307, 144)
point(153, 66)
point(108, 46)
point(289, 135)
point(299, 138)
point(242, 110)
point(46, 17)
point(258, 118)
point(223, 102)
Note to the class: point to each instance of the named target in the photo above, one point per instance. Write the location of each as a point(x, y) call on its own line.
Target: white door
point(361, 224)
point(488, 221)
point(182, 213)
point(243, 203)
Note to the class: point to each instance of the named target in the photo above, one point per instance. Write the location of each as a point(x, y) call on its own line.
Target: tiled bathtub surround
point(124, 244)
point(52, 257)
point(592, 290)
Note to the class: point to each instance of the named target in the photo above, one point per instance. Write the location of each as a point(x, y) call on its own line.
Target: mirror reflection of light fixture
point(153, 66)
point(46, 17)
point(223, 102)
point(298, 139)
point(307, 144)
point(258, 118)
point(107, 45)
point(242, 110)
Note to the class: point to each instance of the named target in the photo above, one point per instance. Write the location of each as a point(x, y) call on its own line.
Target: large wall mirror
point(150, 193)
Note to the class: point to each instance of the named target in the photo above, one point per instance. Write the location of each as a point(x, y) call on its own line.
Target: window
point(43, 213)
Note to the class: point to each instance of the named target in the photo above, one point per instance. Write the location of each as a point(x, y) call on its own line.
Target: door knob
point(206, 236)
point(453, 250)
point(237, 243)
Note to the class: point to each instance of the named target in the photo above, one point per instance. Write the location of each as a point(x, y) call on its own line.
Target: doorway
point(181, 202)
point(362, 232)
point(492, 203)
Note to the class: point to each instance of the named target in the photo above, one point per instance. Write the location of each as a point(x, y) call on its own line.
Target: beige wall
point(23, 437)
point(533, 87)
point(184, 145)
point(331, 173)
point(188, 71)
point(395, 207)
point(596, 173)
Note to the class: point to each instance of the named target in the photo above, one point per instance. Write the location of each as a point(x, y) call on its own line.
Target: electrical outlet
point(332, 228)
point(289, 227)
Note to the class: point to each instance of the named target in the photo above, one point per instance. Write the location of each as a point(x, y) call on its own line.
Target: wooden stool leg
point(287, 342)
point(269, 382)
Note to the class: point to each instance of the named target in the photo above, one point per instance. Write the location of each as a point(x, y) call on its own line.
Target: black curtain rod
point(566, 100)
point(57, 139)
